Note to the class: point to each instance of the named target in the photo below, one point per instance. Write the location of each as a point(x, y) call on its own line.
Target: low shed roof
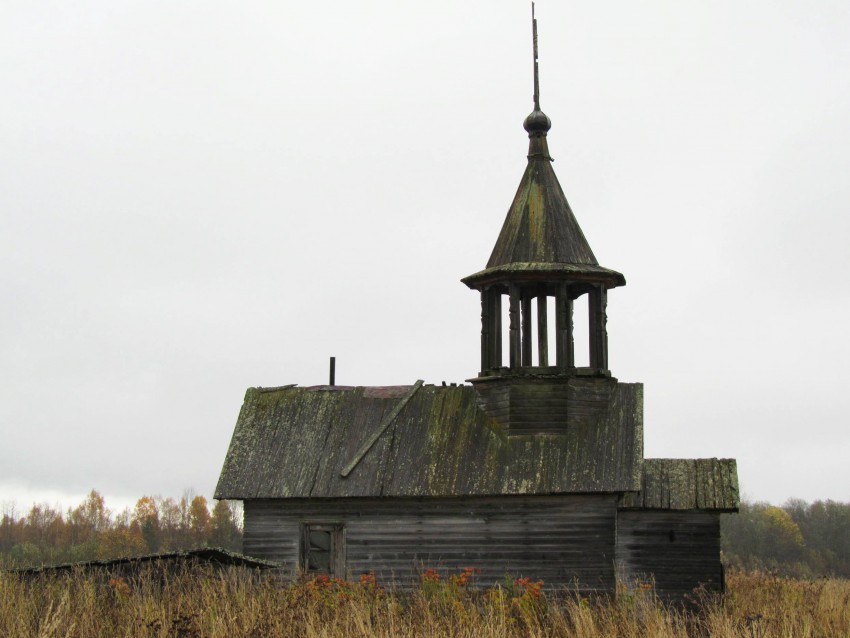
point(208, 555)
point(687, 484)
point(295, 442)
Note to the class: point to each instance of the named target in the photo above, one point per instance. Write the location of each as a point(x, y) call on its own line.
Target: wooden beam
point(485, 332)
point(597, 320)
point(571, 344)
point(542, 331)
point(496, 331)
point(385, 423)
point(564, 328)
point(513, 314)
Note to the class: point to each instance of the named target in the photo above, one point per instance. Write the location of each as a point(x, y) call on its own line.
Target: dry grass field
point(199, 602)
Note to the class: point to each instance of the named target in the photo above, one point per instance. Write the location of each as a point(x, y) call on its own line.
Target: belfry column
point(564, 328)
point(597, 320)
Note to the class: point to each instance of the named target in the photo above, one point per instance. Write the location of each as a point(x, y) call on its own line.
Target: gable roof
point(295, 442)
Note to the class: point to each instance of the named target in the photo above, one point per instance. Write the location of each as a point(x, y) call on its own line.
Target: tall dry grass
point(201, 602)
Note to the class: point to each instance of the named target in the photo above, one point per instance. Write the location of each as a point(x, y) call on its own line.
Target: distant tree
point(170, 522)
point(146, 519)
point(43, 526)
point(825, 525)
point(226, 531)
point(124, 540)
point(761, 536)
point(11, 530)
point(44, 536)
point(24, 554)
point(89, 518)
point(782, 540)
point(199, 520)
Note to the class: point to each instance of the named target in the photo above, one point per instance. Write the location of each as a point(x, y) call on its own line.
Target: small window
point(323, 549)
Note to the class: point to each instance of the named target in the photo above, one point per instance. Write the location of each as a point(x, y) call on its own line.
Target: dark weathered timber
point(675, 551)
point(496, 333)
point(295, 442)
point(563, 540)
point(164, 561)
point(542, 330)
point(687, 484)
point(541, 251)
point(515, 355)
point(540, 226)
point(540, 238)
point(597, 321)
point(486, 346)
point(537, 404)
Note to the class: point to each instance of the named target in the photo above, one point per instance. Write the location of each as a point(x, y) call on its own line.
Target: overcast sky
point(198, 197)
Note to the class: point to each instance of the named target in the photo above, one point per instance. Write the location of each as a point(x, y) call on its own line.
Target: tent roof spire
point(540, 233)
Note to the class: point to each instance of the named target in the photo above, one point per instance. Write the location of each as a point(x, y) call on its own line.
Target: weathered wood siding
point(552, 404)
point(677, 550)
point(563, 540)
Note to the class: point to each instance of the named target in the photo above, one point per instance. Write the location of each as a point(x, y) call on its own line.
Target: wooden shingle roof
point(540, 226)
point(541, 236)
point(296, 442)
point(687, 484)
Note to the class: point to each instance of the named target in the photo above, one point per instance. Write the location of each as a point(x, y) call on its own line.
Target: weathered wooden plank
point(514, 337)
point(294, 442)
point(560, 539)
point(678, 551)
point(385, 423)
point(542, 330)
point(687, 484)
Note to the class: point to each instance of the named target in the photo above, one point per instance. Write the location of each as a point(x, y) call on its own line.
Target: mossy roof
point(687, 484)
point(215, 556)
point(294, 442)
point(541, 236)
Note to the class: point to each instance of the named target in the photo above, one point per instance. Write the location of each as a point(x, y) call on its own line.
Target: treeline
point(805, 540)
point(45, 536)
point(797, 539)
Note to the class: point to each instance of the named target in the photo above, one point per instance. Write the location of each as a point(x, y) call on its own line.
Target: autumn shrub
point(199, 601)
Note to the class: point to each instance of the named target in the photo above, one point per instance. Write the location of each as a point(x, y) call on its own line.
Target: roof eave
point(543, 271)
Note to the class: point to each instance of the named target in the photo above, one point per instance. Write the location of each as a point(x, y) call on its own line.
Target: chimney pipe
point(333, 371)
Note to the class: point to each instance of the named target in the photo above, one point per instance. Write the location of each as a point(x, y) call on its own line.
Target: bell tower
point(541, 259)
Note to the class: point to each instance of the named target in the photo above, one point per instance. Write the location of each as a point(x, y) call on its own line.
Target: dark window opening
point(323, 549)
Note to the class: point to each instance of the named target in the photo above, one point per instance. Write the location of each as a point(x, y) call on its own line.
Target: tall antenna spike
point(537, 124)
point(536, 72)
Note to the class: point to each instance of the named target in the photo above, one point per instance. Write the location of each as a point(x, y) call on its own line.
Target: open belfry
point(542, 257)
point(535, 469)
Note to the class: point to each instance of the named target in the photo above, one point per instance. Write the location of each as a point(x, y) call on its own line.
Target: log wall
point(675, 550)
point(562, 540)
